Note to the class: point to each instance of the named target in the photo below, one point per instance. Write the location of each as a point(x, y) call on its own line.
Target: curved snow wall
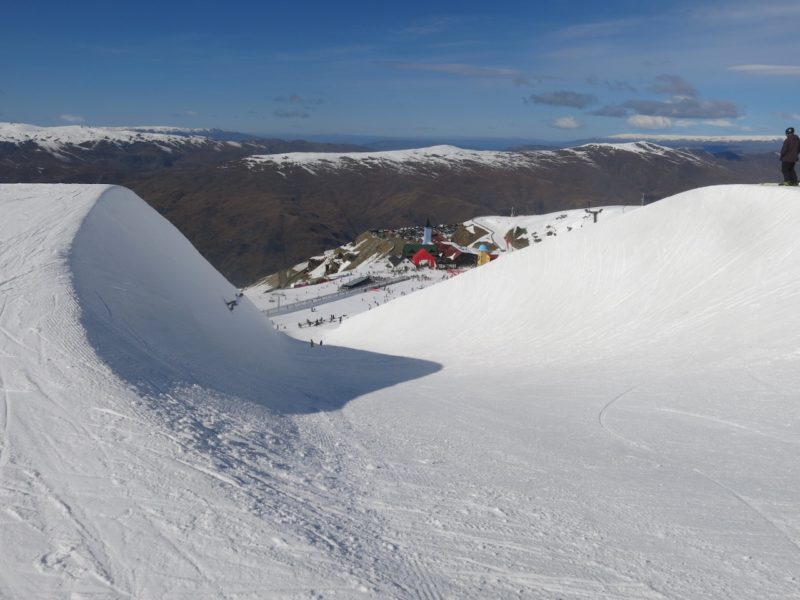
point(712, 271)
point(154, 309)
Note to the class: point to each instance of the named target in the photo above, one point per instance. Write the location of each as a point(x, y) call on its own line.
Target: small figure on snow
point(231, 304)
point(788, 158)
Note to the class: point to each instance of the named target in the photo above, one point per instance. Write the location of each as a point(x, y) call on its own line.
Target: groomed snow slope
point(145, 445)
point(618, 415)
point(610, 415)
point(713, 272)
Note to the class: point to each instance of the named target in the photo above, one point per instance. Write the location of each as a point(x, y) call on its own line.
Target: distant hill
point(254, 206)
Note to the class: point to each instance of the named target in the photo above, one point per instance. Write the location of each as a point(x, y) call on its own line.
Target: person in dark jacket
point(789, 152)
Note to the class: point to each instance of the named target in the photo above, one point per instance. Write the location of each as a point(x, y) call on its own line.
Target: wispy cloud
point(673, 85)
point(563, 98)
point(614, 86)
point(607, 28)
point(746, 12)
point(777, 70)
point(566, 123)
point(684, 108)
point(465, 70)
point(698, 138)
point(433, 25)
point(298, 107)
point(291, 114)
point(611, 111)
point(649, 122)
point(719, 123)
point(299, 100)
point(74, 119)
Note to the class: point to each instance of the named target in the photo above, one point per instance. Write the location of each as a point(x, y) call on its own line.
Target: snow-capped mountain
point(253, 206)
point(61, 141)
point(423, 160)
point(80, 153)
point(75, 142)
point(610, 414)
point(345, 194)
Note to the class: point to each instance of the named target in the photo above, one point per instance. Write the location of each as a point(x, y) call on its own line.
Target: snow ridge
point(58, 139)
point(444, 155)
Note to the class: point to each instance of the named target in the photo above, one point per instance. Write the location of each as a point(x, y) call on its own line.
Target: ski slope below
point(633, 386)
point(612, 414)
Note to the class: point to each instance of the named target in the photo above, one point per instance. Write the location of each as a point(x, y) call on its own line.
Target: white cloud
point(566, 123)
point(709, 122)
point(719, 123)
point(696, 138)
point(780, 70)
point(72, 118)
point(649, 122)
point(684, 107)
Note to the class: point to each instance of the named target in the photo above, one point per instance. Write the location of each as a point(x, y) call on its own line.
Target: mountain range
point(253, 206)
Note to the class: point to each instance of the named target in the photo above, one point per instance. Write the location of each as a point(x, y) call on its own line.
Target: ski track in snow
point(763, 516)
point(602, 419)
point(664, 458)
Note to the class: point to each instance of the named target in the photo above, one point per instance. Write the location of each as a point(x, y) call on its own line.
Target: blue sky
point(529, 70)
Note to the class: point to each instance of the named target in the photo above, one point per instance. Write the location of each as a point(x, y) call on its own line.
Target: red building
point(423, 258)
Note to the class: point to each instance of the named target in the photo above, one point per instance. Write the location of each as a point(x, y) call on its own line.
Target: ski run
point(613, 414)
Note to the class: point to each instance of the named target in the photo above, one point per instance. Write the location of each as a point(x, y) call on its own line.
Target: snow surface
point(543, 227)
point(612, 414)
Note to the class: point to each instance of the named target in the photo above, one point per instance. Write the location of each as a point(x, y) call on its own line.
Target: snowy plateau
point(612, 414)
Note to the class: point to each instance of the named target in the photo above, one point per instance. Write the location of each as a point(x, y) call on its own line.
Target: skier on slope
point(788, 157)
